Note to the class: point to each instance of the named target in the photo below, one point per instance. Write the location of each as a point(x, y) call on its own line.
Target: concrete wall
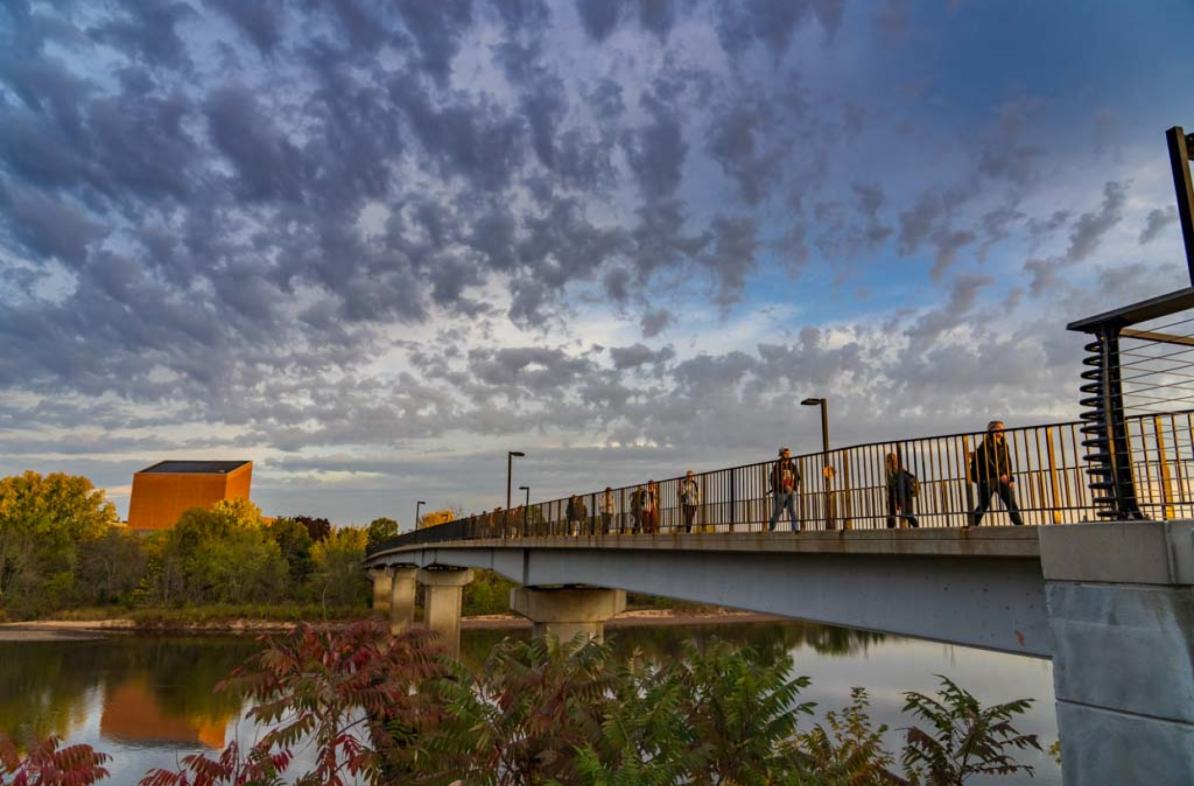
point(1121, 604)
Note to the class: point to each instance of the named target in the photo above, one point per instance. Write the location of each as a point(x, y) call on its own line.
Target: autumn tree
point(381, 529)
point(45, 523)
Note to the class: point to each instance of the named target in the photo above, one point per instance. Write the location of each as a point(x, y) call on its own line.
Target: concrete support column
point(402, 599)
point(566, 612)
point(444, 589)
point(1121, 607)
point(382, 579)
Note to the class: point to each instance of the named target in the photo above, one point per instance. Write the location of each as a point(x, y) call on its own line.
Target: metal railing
point(1049, 466)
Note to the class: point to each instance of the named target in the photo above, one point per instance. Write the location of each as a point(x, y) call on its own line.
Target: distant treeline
point(61, 547)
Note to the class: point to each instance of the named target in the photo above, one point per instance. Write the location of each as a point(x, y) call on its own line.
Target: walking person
point(606, 506)
point(785, 480)
point(690, 498)
point(637, 499)
point(572, 514)
point(902, 490)
point(991, 468)
point(651, 508)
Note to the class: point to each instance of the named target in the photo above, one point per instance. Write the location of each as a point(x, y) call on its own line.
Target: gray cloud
point(1158, 218)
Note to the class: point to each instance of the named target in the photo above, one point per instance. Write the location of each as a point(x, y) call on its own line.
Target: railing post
point(733, 499)
point(1054, 487)
point(1163, 462)
point(967, 457)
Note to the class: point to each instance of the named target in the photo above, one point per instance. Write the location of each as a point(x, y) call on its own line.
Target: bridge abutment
point(1121, 607)
point(402, 598)
point(567, 612)
point(441, 604)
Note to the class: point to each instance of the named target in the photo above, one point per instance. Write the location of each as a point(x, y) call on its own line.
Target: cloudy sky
point(374, 245)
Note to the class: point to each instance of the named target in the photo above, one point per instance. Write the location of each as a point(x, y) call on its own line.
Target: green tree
point(338, 579)
point(294, 541)
point(45, 523)
point(220, 554)
point(381, 529)
point(965, 739)
point(111, 568)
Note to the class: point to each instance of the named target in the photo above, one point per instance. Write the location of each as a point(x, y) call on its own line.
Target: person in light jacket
point(690, 498)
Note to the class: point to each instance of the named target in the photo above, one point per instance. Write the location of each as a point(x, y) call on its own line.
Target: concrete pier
point(382, 578)
point(1121, 606)
point(567, 612)
point(402, 599)
point(444, 590)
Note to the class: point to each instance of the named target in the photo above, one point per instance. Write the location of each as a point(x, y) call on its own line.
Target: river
point(149, 700)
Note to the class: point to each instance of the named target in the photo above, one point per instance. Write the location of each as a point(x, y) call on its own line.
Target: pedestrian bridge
point(986, 584)
point(1111, 604)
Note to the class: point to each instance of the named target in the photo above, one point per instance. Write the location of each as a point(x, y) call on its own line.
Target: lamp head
point(524, 488)
point(812, 402)
point(517, 453)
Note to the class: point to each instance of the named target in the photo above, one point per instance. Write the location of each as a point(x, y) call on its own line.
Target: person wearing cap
point(785, 479)
point(690, 498)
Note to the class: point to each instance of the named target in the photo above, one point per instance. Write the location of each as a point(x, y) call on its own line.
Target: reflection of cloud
point(132, 713)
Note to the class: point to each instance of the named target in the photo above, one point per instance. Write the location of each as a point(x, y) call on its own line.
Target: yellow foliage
point(436, 517)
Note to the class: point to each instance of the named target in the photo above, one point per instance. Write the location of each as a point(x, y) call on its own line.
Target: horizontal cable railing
point(931, 482)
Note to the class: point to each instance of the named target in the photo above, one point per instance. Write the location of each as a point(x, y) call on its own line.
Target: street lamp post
point(418, 505)
point(510, 455)
point(526, 508)
point(825, 482)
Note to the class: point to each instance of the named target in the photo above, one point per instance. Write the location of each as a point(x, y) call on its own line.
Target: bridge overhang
point(978, 587)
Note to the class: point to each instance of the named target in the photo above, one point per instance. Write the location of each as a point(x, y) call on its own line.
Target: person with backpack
point(991, 469)
point(902, 490)
point(785, 480)
point(651, 508)
point(690, 498)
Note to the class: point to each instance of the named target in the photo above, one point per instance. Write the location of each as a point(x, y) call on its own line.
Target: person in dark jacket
point(991, 469)
point(575, 513)
point(690, 498)
point(785, 480)
point(901, 485)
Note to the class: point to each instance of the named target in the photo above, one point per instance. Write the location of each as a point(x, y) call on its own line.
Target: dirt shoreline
point(90, 630)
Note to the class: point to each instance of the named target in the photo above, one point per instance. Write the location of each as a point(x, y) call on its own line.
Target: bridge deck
point(987, 542)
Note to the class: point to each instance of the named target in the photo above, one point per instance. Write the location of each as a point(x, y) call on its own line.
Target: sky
point(372, 246)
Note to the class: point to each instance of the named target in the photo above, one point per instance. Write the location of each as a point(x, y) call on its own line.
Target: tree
point(317, 528)
point(221, 554)
point(294, 541)
point(338, 579)
point(45, 521)
point(381, 529)
point(966, 738)
point(111, 568)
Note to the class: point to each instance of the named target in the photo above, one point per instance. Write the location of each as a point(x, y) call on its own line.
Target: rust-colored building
point(162, 492)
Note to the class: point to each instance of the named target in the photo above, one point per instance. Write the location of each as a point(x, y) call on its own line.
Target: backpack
point(913, 484)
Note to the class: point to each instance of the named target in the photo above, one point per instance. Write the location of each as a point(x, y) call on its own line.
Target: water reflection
point(149, 691)
point(666, 642)
point(149, 701)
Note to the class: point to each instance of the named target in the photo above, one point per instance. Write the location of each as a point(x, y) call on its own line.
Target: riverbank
point(75, 629)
